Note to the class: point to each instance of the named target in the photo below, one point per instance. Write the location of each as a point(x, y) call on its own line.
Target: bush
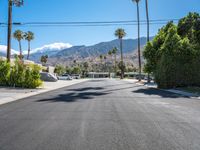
point(174, 54)
point(19, 75)
point(4, 73)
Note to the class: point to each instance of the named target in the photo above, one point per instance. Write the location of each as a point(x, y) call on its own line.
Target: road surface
point(101, 115)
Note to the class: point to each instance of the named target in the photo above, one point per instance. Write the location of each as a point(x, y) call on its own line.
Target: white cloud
point(52, 47)
point(3, 49)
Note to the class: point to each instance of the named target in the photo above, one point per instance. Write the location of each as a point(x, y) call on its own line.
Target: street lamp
point(17, 3)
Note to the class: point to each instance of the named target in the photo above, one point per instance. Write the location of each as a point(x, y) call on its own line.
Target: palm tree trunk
point(122, 60)
point(139, 55)
point(20, 50)
point(29, 49)
point(147, 15)
point(9, 30)
point(115, 63)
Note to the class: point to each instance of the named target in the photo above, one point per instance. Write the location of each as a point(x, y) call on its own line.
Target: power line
point(97, 23)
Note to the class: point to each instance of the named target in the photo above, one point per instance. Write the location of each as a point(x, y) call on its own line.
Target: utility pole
point(17, 3)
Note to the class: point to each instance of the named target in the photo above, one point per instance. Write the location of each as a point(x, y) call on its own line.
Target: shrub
point(174, 54)
point(4, 73)
point(19, 75)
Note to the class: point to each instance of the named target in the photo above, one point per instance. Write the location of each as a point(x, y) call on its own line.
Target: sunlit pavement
point(101, 115)
point(12, 94)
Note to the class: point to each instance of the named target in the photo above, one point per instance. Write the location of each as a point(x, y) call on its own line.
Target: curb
point(183, 93)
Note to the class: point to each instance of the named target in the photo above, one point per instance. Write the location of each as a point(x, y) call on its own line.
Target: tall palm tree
point(110, 54)
point(29, 36)
point(148, 39)
point(114, 51)
point(19, 35)
point(105, 58)
point(139, 53)
point(120, 33)
point(111, 60)
point(147, 16)
point(101, 59)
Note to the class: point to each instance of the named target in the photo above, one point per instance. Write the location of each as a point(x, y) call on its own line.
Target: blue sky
point(88, 10)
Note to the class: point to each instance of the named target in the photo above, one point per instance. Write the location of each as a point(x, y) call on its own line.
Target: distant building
point(100, 75)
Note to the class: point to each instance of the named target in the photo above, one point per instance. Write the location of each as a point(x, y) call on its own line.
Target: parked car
point(45, 76)
point(65, 77)
point(76, 76)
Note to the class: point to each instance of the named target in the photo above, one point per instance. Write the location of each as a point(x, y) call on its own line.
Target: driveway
point(101, 115)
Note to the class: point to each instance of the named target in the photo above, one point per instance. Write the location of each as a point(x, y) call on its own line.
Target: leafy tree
point(68, 70)
point(29, 36)
point(85, 68)
point(173, 55)
point(19, 35)
point(120, 33)
point(76, 70)
point(59, 69)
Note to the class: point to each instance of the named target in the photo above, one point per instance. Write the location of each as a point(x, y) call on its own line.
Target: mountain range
point(64, 52)
point(83, 52)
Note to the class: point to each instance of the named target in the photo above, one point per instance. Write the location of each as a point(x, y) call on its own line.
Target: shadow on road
point(77, 94)
point(73, 97)
point(86, 89)
point(153, 91)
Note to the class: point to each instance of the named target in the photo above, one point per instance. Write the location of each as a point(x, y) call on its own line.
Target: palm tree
point(110, 66)
point(105, 58)
point(110, 54)
point(120, 33)
point(29, 36)
point(44, 59)
point(139, 55)
point(147, 16)
point(101, 59)
point(19, 35)
point(114, 51)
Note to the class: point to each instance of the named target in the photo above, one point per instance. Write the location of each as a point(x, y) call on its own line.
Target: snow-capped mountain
point(3, 50)
point(51, 47)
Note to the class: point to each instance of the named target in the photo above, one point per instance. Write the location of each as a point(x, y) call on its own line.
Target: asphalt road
point(101, 115)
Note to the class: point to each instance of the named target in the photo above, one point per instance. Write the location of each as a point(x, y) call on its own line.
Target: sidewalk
point(154, 85)
point(8, 95)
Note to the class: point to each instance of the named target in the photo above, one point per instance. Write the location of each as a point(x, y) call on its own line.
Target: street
point(102, 114)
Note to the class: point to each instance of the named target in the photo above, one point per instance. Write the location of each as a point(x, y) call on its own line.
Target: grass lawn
point(195, 90)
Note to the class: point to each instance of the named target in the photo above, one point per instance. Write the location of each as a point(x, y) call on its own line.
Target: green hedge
point(19, 74)
point(174, 54)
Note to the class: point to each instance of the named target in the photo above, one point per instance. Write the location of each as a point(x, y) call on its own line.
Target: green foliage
point(59, 69)
point(76, 70)
point(173, 56)
point(68, 70)
point(44, 59)
point(4, 72)
point(120, 33)
point(85, 68)
point(19, 75)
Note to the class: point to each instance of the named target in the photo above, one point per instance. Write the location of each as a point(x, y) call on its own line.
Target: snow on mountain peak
point(52, 47)
point(3, 49)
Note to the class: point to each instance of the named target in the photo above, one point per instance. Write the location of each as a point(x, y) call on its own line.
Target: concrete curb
point(187, 94)
point(183, 93)
point(40, 91)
